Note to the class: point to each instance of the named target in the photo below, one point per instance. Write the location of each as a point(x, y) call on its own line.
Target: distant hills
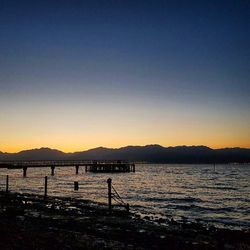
point(148, 153)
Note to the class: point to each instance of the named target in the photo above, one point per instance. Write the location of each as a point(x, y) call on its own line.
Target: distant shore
point(148, 153)
point(30, 222)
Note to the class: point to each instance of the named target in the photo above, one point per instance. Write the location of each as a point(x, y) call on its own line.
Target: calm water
point(220, 197)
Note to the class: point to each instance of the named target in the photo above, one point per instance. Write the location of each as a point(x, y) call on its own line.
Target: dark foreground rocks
point(30, 222)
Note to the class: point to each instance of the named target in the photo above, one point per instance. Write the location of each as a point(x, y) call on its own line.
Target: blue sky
point(137, 63)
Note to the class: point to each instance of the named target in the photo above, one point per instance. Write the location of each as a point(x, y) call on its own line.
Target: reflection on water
point(220, 196)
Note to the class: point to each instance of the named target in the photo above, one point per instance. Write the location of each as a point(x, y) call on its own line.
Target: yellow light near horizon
point(78, 139)
point(71, 129)
point(77, 148)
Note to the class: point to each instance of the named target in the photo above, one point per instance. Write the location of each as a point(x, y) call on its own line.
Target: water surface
point(219, 196)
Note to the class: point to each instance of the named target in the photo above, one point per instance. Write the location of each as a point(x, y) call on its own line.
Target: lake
point(219, 196)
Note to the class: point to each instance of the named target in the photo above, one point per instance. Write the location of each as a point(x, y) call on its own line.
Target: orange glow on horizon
point(72, 129)
point(79, 149)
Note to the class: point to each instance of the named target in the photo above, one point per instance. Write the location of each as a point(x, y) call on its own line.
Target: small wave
point(137, 206)
point(188, 187)
point(178, 207)
point(226, 188)
point(240, 199)
point(212, 209)
point(199, 208)
point(217, 187)
point(165, 192)
point(189, 199)
point(228, 222)
point(184, 200)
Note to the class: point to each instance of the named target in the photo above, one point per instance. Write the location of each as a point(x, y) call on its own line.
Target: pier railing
point(90, 166)
point(60, 163)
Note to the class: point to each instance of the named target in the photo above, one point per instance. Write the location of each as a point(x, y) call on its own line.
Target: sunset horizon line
point(119, 147)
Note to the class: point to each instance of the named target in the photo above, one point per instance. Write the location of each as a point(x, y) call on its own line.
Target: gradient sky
point(78, 74)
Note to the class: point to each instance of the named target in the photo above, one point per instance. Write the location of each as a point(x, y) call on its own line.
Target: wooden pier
point(90, 166)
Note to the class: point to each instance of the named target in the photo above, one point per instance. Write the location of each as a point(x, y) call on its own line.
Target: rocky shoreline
point(32, 222)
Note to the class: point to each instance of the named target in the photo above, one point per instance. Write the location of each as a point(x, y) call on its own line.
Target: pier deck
point(90, 166)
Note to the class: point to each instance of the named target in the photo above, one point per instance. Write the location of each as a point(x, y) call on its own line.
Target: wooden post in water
point(127, 207)
point(24, 171)
point(7, 183)
point(76, 186)
point(52, 170)
point(109, 181)
point(77, 169)
point(45, 186)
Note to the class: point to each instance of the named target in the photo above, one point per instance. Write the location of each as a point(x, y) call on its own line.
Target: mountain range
point(148, 153)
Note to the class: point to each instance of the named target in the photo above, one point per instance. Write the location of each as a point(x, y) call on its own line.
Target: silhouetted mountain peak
point(155, 146)
point(98, 149)
point(43, 153)
point(149, 153)
point(42, 149)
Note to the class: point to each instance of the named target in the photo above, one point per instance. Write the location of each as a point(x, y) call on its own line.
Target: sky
point(78, 74)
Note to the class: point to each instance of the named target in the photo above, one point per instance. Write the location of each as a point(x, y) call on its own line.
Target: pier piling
point(127, 207)
point(24, 171)
point(45, 186)
point(7, 183)
point(77, 169)
point(53, 170)
point(109, 181)
point(76, 186)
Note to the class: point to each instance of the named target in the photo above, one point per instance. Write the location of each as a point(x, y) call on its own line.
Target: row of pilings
point(111, 194)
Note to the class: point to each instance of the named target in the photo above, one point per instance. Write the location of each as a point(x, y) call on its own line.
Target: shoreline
point(30, 222)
